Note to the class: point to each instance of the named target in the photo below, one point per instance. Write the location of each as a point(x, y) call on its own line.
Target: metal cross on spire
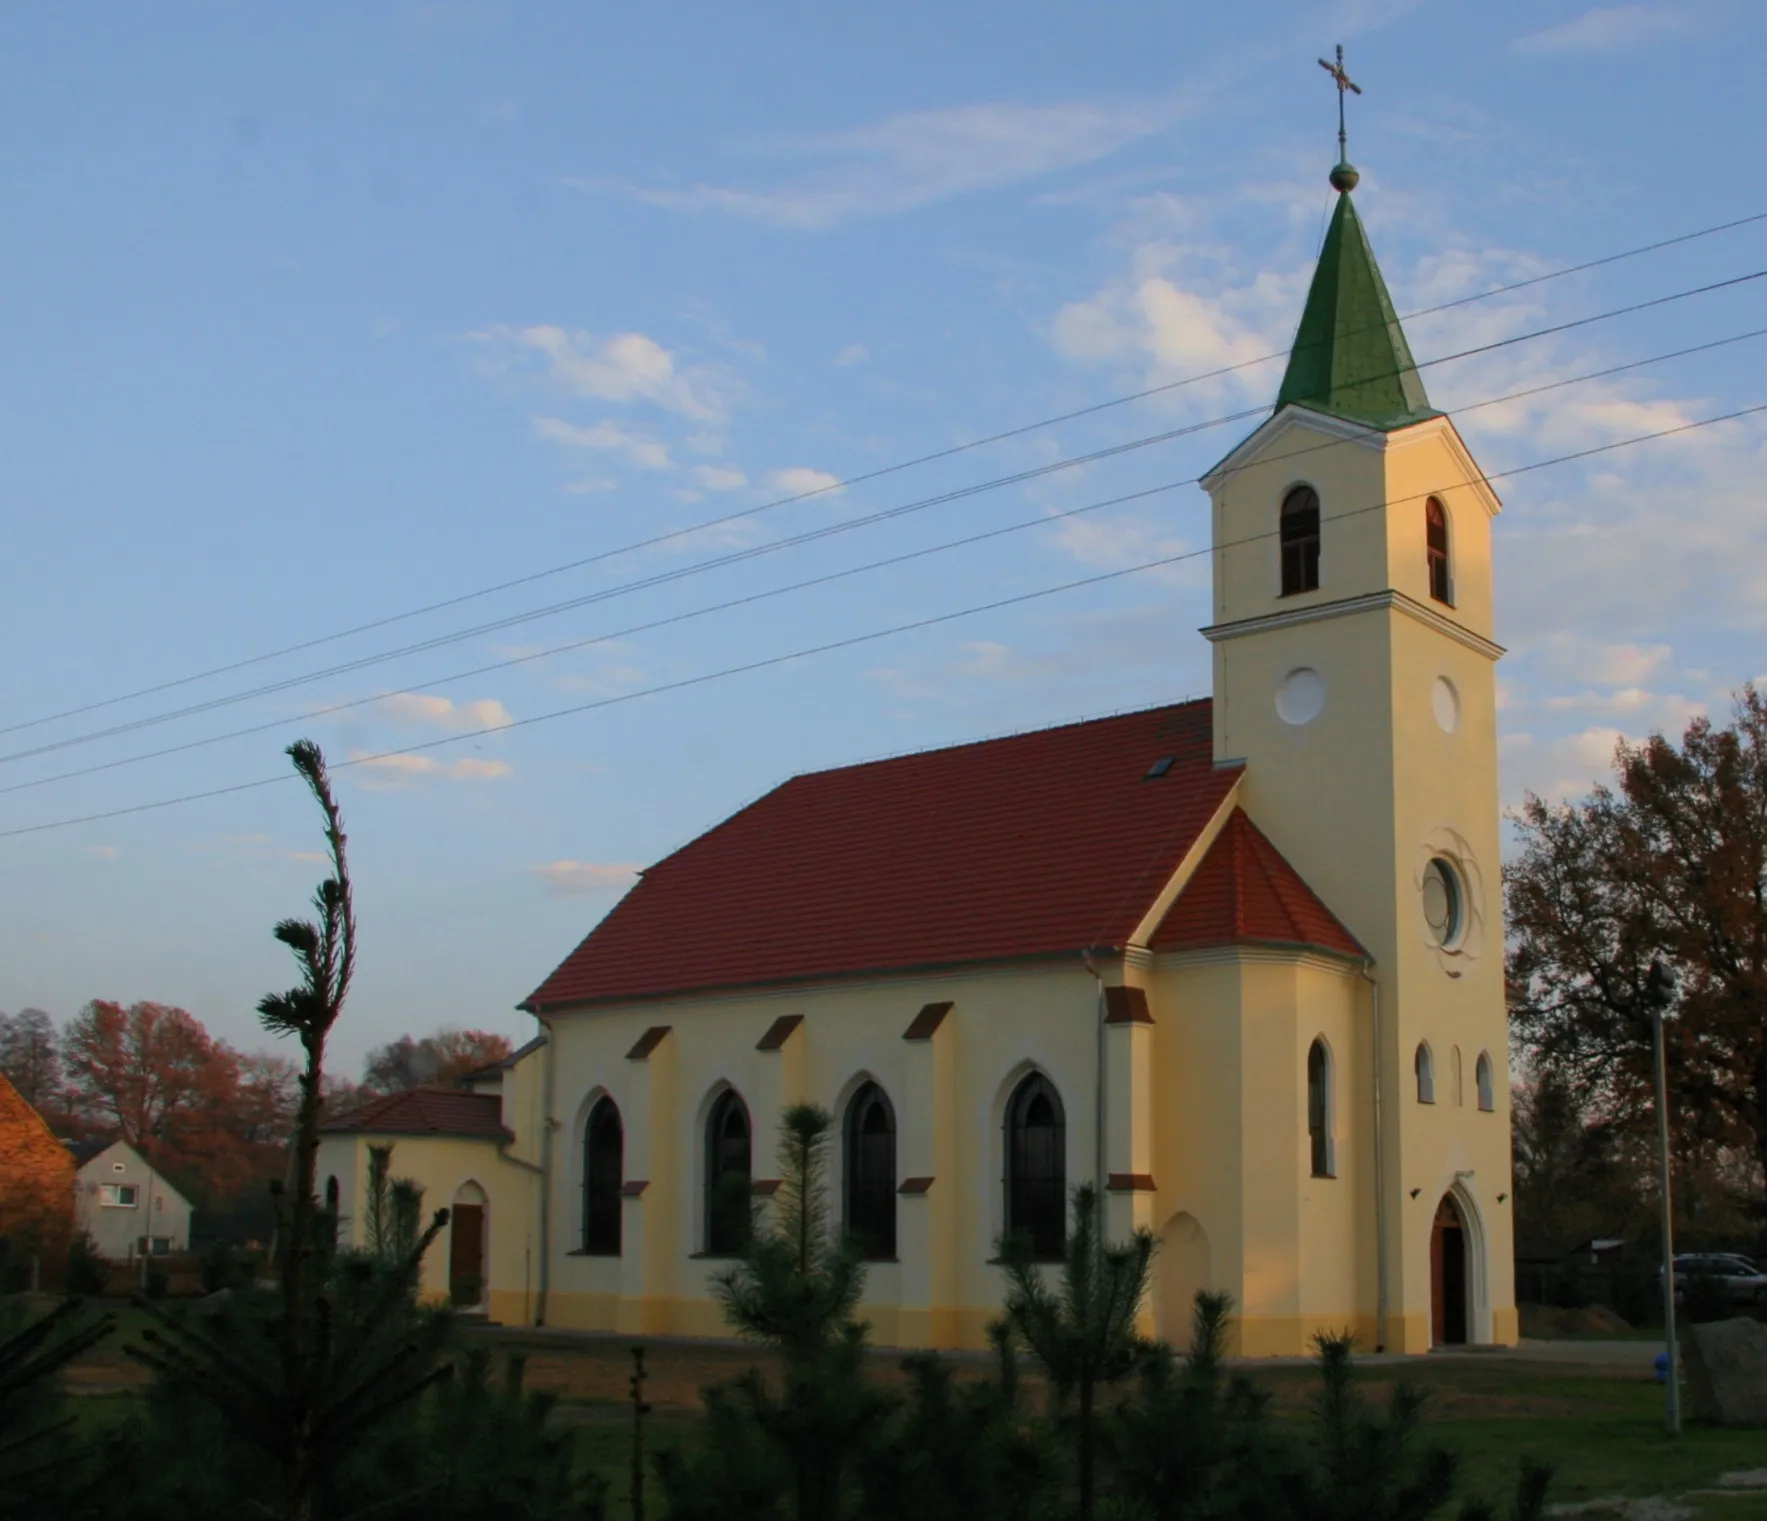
point(1344, 83)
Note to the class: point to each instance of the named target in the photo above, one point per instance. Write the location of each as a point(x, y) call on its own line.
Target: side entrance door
point(1448, 1276)
point(466, 1255)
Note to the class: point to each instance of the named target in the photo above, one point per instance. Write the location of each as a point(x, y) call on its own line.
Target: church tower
point(1355, 678)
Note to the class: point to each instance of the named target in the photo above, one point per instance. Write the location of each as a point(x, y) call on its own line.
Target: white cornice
point(1286, 421)
point(1259, 955)
point(1368, 602)
point(1344, 431)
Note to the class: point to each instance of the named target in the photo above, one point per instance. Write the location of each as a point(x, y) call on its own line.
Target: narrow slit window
point(1300, 541)
point(871, 1173)
point(603, 1163)
point(1036, 1168)
point(1425, 1065)
point(1436, 538)
point(728, 1177)
point(1319, 1111)
point(1486, 1083)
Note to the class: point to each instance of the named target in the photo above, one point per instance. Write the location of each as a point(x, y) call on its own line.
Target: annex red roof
point(427, 1111)
point(1036, 844)
point(1244, 892)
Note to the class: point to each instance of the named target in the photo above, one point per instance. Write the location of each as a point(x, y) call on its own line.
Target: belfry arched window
point(604, 1143)
point(728, 1176)
point(1425, 1065)
point(1300, 541)
point(1435, 521)
point(1036, 1167)
point(871, 1172)
point(1319, 1111)
point(1486, 1081)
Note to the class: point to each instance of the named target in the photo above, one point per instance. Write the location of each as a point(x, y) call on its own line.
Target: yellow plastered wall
point(444, 1166)
point(948, 1093)
point(1360, 797)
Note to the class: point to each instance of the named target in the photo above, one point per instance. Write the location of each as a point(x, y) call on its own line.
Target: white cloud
point(719, 477)
point(853, 353)
point(645, 453)
point(800, 480)
point(624, 367)
point(425, 710)
point(920, 157)
point(390, 772)
point(1607, 29)
point(582, 879)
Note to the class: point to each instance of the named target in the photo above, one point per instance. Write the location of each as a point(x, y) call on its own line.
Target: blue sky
point(313, 321)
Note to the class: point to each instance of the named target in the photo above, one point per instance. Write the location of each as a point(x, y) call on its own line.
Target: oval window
point(1443, 909)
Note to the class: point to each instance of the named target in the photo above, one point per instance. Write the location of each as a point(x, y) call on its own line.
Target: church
point(1237, 962)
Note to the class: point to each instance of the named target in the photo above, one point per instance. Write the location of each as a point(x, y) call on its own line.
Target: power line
point(827, 578)
point(870, 475)
point(740, 556)
point(852, 641)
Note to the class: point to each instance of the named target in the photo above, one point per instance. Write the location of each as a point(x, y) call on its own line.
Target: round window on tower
point(1444, 902)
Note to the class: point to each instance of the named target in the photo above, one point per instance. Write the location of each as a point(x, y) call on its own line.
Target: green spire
point(1350, 357)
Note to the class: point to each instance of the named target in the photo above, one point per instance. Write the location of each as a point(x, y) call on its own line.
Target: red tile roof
point(1036, 844)
point(1245, 893)
point(427, 1111)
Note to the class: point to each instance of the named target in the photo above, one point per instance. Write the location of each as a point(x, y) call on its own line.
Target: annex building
point(1237, 961)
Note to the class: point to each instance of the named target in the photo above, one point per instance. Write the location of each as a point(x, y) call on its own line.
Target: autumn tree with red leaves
point(1668, 864)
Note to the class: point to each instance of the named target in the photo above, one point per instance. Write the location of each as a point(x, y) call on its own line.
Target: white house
point(125, 1205)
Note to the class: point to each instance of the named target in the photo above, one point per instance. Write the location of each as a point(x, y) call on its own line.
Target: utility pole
point(1658, 988)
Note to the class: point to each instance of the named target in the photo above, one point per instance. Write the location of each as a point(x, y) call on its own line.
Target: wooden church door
point(1447, 1276)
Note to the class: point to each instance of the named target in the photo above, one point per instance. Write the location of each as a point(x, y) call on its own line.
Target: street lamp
point(1659, 986)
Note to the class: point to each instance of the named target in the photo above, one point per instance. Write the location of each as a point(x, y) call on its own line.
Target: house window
point(727, 1177)
point(1300, 541)
point(156, 1246)
point(1319, 1111)
point(119, 1195)
point(603, 1160)
point(1425, 1065)
point(1435, 517)
point(1036, 1168)
point(1483, 1076)
point(871, 1172)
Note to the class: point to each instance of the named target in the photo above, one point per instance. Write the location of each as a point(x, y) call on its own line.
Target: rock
point(1725, 1363)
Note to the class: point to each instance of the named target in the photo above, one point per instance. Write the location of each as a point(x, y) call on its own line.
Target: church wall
point(1360, 797)
point(443, 1166)
point(948, 1093)
point(1232, 1033)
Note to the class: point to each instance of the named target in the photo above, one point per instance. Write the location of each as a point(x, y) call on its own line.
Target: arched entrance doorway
point(466, 1247)
point(1183, 1267)
point(1449, 1282)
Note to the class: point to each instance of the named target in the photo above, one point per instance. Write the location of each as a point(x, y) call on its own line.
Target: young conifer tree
point(305, 1378)
point(1083, 1332)
point(795, 1289)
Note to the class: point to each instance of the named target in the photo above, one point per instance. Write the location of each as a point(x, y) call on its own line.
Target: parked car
point(1743, 1280)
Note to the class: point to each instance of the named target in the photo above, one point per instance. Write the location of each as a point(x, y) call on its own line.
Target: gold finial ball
point(1344, 176)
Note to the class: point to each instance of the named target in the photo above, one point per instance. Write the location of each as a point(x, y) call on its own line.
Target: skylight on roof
point(1159, 768)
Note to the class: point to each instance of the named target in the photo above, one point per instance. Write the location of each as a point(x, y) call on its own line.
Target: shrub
point(88, 1274)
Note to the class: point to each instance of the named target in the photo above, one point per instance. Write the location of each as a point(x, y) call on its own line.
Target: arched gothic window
point(1454, 1088)
point(1425, 1064)
point(1300, 541)
point(1036, 1167)
point(604, 1144)
point(1482, 1075)
point(871, 1172)
point(1319, 1114)
point(727, 1176)
point(1435, 517)
point(331, 1197)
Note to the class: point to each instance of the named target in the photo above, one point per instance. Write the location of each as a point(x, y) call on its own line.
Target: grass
point(1600, 1426)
